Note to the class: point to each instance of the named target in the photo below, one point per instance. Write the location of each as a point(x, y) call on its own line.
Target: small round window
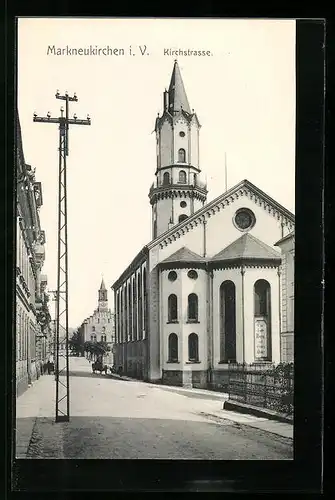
point(172, 276)
point(244, 219)
point(182, 134)
point(183, 204)
point(192, 274)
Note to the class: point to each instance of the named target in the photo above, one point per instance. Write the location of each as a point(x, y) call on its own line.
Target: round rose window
point(244, 219)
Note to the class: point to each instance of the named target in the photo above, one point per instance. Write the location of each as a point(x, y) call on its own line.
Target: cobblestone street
point(115, 418)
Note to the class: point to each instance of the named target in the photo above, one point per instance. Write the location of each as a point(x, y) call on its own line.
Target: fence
point(265, 386)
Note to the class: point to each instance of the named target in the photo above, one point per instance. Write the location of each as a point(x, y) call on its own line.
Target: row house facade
point(33, 333)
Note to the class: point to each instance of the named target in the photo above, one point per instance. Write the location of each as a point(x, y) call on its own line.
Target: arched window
point(140, 315)
point(193, 347)
point(182, 217)
point(130, 311)
point(126, 313)
point(119, 319)
point(172, 308)
point(173, 348)
point(145, 301)
point(192, 311)
point(227, 322)
point(166, 178)
point(135, 308)
point(181, 155)
point(182, 176)
point(262, 320)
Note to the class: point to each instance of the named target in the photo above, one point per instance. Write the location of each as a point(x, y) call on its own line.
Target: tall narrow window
point(227, 322)
point(192, 311)
point(193, 347)
point(166, 178)
point(173, 348)
point(135, 308)
point(182, 177)
point(181, 155)
point(145, 301)
point(130, 311)
point(140, 317)
point(262, 320)
point(125, 313)
point(172, 308)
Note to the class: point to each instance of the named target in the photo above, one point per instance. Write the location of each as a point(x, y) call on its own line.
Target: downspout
point(210, 325)
point(280, 325)
point(204, 240)
point(243, 320)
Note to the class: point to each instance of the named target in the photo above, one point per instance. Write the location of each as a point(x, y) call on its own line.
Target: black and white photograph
point(155, 239)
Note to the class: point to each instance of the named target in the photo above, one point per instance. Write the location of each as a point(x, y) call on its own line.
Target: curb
point(257, 412)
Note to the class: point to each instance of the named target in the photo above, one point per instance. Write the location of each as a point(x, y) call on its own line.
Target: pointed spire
point(177, 95)
point(102, 286)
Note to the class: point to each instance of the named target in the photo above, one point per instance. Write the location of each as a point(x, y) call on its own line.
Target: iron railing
point(263, 386)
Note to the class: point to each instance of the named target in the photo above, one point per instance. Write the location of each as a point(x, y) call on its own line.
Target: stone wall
point(172, 377)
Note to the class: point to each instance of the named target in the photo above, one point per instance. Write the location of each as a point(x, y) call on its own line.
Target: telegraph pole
point(62, 297)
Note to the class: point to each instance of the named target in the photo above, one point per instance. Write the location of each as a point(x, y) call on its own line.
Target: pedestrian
point(50, 364)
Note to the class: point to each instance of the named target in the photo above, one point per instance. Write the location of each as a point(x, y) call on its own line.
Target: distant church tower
point(177, 192)
point(102, 300)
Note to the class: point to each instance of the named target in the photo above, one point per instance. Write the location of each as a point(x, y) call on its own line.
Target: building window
point(244, 219)
point(103, 338)
point(182, 134)
point(193, 275)
point(93, 338)
point(135, 308)
point(181, 155)
point(140, 310)
point(193, 347)
point(93, 328)
point(182, 217)
point(227, 322)
point(182, 177)
point(172, 308)
point(172, 276)
point(166, 178)
point(192, 310)
point(262, 320)
point(130, 310)
point(173, 348)
point(145, 301)
point(183, 204)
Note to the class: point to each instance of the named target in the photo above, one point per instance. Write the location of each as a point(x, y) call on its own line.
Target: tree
point(75, 343)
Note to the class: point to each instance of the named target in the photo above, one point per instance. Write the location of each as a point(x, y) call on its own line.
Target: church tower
point(102, 300)
point(177, 191)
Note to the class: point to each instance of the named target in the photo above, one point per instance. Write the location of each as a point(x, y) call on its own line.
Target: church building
point(99, 327)
point(206, 291)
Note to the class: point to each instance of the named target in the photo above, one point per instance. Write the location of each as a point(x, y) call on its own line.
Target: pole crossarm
point(62, 306)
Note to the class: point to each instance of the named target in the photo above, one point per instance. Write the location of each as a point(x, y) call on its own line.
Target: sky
point(243, 94)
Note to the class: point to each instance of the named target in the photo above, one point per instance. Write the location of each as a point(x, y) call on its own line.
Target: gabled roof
point(177, 94)
point(183, 254)
point(247, 247)
point(229, 195)
point(285, 238)
point(183, 258)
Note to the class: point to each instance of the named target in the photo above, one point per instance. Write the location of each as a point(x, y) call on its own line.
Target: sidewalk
point(37, 401)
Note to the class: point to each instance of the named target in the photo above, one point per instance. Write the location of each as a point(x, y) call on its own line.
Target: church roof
point(102, 286)
point(247, 247)
point(177, 94)
point(182, 258)
point(242, 188)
